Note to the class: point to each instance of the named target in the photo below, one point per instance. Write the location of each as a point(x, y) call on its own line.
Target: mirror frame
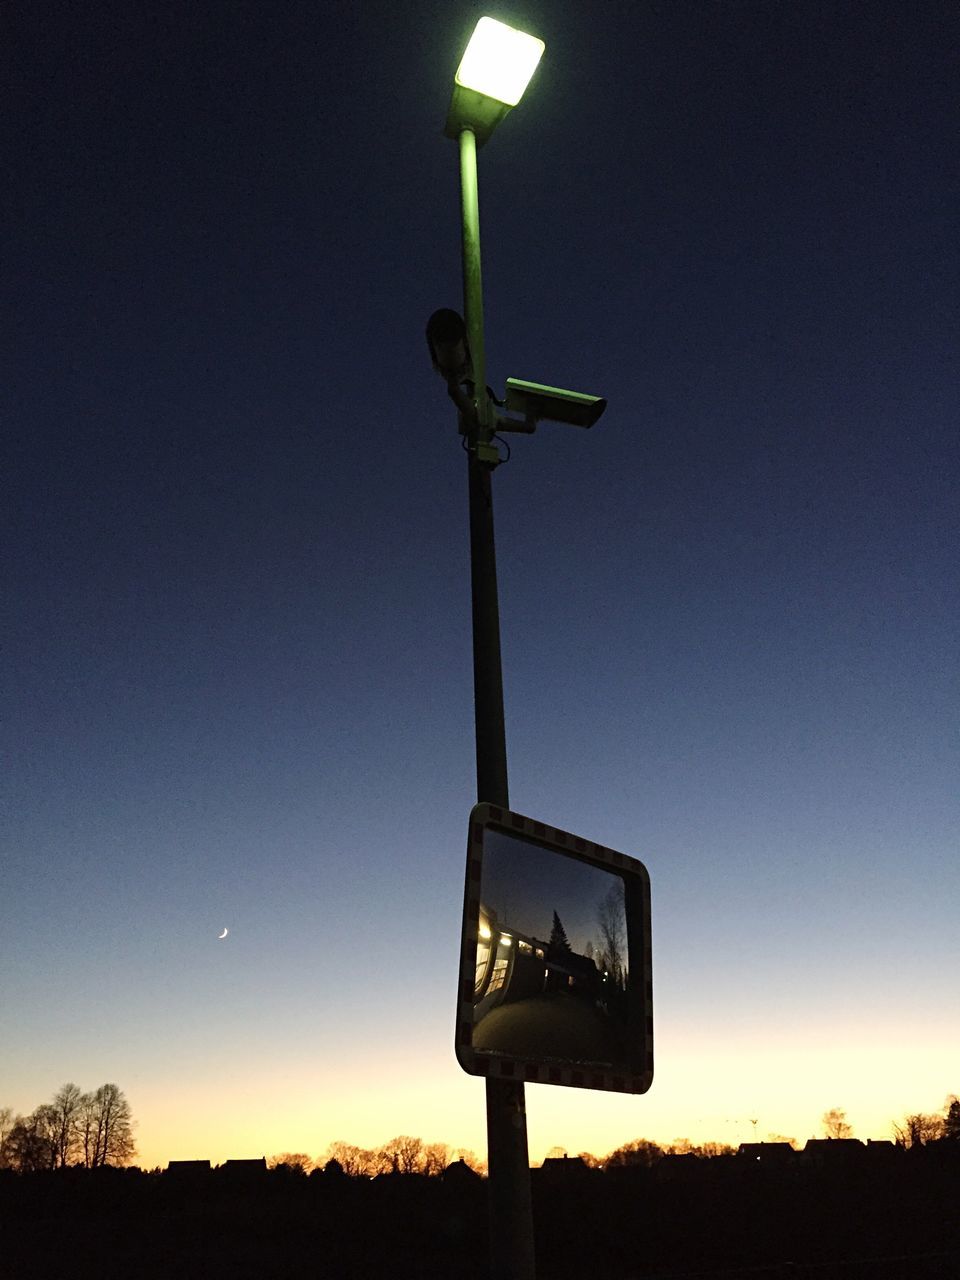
point(637, 1079)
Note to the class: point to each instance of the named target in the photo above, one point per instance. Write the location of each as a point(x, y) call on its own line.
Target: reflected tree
point(559, 944)
point(611, 921)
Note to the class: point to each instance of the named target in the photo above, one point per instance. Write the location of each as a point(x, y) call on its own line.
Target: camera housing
point(449, 350)
point(536, 401)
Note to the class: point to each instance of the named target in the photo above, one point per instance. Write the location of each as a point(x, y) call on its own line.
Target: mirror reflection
point(552, 964)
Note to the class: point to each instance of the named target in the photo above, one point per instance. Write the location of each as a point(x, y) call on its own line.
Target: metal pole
point(508, 1184)
point(472, 281)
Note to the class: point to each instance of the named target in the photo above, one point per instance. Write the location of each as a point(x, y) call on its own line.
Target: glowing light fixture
point(499, 61)
point(494, 71)
point(506, 940)
point(484, 931)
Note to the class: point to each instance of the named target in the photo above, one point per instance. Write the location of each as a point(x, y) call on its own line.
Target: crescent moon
point(221, 936)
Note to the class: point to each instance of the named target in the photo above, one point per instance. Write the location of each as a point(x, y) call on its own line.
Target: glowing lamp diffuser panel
point(499, 61)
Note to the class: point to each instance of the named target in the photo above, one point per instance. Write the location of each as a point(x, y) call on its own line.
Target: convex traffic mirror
point(555, 961)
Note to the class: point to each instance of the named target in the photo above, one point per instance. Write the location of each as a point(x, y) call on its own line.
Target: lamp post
point(495, 69)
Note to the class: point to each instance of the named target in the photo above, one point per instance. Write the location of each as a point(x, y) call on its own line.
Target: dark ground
point(716, 1217)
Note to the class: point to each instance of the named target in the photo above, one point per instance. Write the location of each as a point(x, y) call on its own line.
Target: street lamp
point(493, 73)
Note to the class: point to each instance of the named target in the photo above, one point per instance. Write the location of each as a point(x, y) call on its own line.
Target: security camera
point(447, 340)
point(536, 401)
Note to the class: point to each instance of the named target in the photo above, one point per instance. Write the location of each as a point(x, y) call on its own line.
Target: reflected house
point(568, 971)
point(510, 965)
point(514, 966)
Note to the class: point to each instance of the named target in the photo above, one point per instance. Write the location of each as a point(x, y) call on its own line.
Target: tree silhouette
point(294, 1162)
point(31, 1143)
point(951, 1123)
point(835, 1124)
point(558, 937)
point(107, 1125)
point(611, 919)
point(6, 1124)
point(917, 1130)
point(67, 1106)
point(436, 1157)
point(640, 1152)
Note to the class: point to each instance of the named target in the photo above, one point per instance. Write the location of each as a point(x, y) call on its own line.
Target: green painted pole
point(508, 1183)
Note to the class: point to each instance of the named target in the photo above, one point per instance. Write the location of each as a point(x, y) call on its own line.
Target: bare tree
point(7, 1120)
point(106, 1127)
point(402, 1154)
point(951, 1118)
point(471, 1160)
point(639, 1152)
point(835, 1124)
point(67, 1107)
point(31, 1144)
point(295, 1161)
point(436, 1157)
point(917, 1130)
point(611, 920)
point(356, 1162)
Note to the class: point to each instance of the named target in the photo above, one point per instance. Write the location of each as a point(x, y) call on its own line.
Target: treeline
point(402, 1154)
point(920, 1128)
point(95, 1129)
point(74, 1128)
point(411, 1155)
point(405, 1154)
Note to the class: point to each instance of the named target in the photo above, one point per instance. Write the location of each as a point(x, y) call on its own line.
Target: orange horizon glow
point(785, 1093)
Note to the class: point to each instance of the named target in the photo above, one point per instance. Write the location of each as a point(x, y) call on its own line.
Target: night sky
point(237, 664)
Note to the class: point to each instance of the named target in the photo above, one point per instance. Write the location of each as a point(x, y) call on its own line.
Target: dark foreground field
point(718, 1217)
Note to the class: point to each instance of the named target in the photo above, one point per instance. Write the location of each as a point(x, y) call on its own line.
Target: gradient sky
point(237, 644)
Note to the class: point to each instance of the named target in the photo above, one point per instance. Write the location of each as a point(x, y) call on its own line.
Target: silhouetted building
point(563, 1169)
point(770, 1155)
point(244, 1170)
point(460, 1174)
point(188, 1168)
point(831, 1153)
point(882, 1149)
point(671, 1168)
